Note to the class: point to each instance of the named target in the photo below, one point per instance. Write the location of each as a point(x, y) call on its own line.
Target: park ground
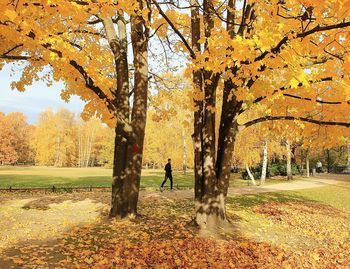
point(297, 224)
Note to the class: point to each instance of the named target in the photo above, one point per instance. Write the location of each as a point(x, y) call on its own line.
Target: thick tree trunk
point(212, 168)
point(122, 149)
point(211, 205)
point(250, 175)
point(289, 161)
point(211, 209)
point(130, 131)
point(210, 202)
point(264, 164)
point(140, 36)
point(198, 103)
point(121, 175)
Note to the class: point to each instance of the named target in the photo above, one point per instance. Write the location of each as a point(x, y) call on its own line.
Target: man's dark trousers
point(171, 180)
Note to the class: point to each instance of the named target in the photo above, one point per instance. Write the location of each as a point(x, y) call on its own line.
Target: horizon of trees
point(63, 139)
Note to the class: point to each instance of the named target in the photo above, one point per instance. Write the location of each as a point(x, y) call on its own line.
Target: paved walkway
point(305, 183)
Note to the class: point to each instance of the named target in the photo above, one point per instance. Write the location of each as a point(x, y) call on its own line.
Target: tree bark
point(251, 176)
point(289, 161)
point(264, 164)
point(118, 43)
point(328, 161)
point(307, 166)
point(348, 154)
point(198, 103)
point(212, 164)
point(130, 131)
point(210, 205)
point(139, 37)
point(184, 160)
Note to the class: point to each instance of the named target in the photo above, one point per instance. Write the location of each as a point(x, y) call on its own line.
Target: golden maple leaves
point(54, 33)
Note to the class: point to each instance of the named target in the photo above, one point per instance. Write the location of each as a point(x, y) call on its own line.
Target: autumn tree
point(15, 138)
point(90, 137)
point(54, 139)
point(289, 55)
point(107, 148)
point(170, 124)
point(85, 44)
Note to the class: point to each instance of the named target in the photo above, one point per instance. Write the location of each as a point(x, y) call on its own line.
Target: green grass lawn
point(337, 196)
point(31, 177)
point(26, 177)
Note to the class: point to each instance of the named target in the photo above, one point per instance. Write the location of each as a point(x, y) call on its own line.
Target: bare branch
point(172, 25)
point(12, 49)
point(285, 39)
point(292, 118)
point(15, 57)
point(261, 98)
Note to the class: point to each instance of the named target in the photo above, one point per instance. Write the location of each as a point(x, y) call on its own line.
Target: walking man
point(168, 174)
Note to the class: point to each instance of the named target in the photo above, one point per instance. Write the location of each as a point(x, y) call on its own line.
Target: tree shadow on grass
point(161, 231)
point(160, 238)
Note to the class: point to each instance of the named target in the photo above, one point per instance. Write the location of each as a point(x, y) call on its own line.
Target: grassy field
point(27, 177)
point(337, 196)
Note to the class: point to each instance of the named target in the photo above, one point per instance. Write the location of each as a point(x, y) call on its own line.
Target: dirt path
point(305, 183)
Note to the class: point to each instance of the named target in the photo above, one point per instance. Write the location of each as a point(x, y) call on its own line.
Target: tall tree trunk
point(123, 146)
point(250, 175)
point(130, 131)
point(90, 143)
point(86, 136)
point(264, 164)
point(307, 165)
point(348, 154)
point(210, 207)
point(184, 158)
point(198, 103)
point(212, 168)
point(79, 146)
point(139, 36)
point(328, 161)
point(289, 161)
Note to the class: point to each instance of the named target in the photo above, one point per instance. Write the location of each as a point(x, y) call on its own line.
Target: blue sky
point(35, 99)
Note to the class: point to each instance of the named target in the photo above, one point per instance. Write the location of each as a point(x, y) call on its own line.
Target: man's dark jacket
point(168, 169)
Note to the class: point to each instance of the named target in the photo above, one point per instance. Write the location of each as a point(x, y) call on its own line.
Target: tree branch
point(161, 12)
point(309, 99)
point(90, 84)
point(285, 39)
point(261, 98)
point(12, 49)
point(15, 57)
point(88, 80)
point(292, 118)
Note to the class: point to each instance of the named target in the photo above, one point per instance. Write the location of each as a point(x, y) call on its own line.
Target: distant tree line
point(62, 139)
